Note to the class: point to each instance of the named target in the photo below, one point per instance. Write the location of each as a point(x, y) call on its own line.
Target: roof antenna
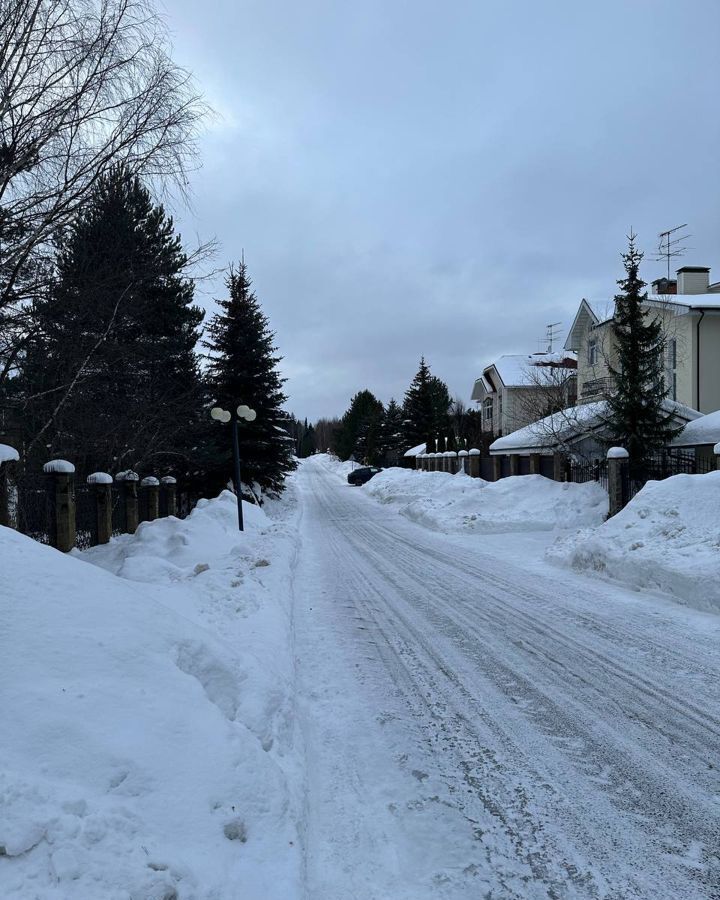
point(671, 245)
point(551, 335)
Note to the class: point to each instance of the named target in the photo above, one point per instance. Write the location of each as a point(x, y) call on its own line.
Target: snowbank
point(335, 465)
point(148, 741)
point(458, 503)
point(667, 537)
point(170, 549)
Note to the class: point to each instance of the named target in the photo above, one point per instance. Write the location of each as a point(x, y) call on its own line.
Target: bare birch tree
point(84, 85)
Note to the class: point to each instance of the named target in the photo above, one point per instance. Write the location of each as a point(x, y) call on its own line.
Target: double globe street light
point(223, 415)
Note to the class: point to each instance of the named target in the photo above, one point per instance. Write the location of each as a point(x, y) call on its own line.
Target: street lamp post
point(223, 415)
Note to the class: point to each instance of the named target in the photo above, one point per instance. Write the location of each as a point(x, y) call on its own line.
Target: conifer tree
point(243, 369)
point(637, 415)
point(393, 433)
point(307, 442)
point(111, 378)
point(426, 406)
point(359, 434)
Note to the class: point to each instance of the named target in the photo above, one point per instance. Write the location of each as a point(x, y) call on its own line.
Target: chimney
point(693, 280)
point(664, 286)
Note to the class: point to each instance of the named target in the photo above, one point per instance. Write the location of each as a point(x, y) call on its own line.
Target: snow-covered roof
point(705, 430)
point(569, 426)
point(521, 370)
point(415, 451)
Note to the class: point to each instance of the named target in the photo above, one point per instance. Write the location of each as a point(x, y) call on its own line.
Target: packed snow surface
point(339, 704)
point(667, 538)
point(458, 503)
point(147, 739)
point(480, 724)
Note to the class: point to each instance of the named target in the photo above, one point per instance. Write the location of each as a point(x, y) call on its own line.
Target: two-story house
point(518, 389)
point(689, 309)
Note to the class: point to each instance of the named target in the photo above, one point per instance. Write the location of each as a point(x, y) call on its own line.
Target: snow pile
point(457, 503)
point(148, 730)
point(339, 467)
point(171, 549)
point(667, 537)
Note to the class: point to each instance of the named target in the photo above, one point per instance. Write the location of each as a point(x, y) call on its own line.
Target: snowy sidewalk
point(148, 740)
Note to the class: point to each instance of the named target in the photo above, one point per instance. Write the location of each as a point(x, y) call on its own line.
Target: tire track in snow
point(502, 649)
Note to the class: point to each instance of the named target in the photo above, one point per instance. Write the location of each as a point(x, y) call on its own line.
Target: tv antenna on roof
point(551, 335)
point(671, 245)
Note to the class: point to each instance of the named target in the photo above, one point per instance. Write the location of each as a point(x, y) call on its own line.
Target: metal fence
point(581, 473)
point(32, 505)
point(119, 511)
point(664, 466)
point(86, 521)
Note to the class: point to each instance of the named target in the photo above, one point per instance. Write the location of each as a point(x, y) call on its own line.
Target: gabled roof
point(519, 370)
point(585, 316)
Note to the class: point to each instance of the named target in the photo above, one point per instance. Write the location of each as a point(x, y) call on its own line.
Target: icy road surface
point(479, 724)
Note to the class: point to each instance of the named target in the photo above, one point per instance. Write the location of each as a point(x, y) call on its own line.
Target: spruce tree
point(110, 378)
point(426, 406)
point(359, 434)
point(243, 369)
point(393, 433)
point(637, 416)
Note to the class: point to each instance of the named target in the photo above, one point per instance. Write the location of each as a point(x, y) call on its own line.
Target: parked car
point(360, 476)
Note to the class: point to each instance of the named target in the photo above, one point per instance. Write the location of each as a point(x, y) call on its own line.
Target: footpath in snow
point(149, 741)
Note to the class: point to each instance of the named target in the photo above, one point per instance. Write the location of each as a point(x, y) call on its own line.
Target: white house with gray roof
point(690, 318)
point(517, 389)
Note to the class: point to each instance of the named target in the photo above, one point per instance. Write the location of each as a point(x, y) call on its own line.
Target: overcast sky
point(414, 178)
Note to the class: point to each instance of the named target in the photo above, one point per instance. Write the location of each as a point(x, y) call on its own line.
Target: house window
point(592, 352)
point(488, 409)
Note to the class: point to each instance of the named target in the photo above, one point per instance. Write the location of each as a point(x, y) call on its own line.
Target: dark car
point(360, 476)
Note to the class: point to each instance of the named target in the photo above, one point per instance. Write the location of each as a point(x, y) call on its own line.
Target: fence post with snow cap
point(618, 484)
point(101, 484)
point(169, 494)
point(474, 462)
point(151, 488)
point(129, 480)
point(61, 492)
point(452, 461)
point(8, 457)
point(716, 451)
point(463, 462)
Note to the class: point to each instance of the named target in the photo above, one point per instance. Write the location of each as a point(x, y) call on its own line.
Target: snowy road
point(479, 724)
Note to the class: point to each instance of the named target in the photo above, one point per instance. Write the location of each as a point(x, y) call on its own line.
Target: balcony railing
point(595, 388)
